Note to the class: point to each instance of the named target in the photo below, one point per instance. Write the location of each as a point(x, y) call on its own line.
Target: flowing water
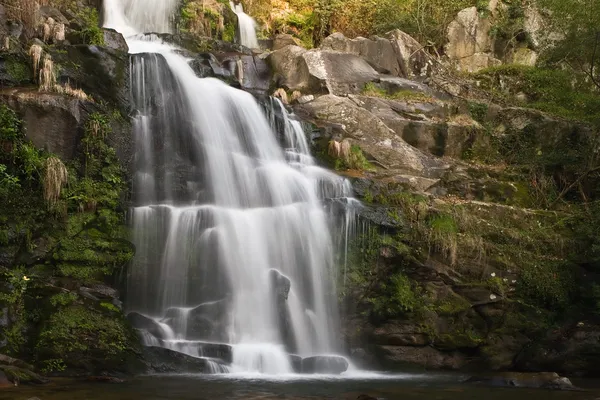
point(246, 25)
point(233, 219)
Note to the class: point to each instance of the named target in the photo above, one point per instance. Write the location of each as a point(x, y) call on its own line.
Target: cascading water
point(246, 25)
point(235, 256)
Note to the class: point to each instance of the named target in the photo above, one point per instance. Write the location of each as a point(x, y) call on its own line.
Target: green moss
point(398, 296)
point(78, 334)
point(10, 124)
point(18, 70)
point(549, 90)
point(229, 32)
point(373, 90)
point(63, 299)
point(478, 111)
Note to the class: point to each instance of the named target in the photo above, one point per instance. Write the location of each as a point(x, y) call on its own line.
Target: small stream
point(404, 387)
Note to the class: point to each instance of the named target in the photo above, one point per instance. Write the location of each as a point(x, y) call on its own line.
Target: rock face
point(160, 360)
point(469, 41)
point(376, 139)
point(320, 71)
point(397, 53)
point(54, 122)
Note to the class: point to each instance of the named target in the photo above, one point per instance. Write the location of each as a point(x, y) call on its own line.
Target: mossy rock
point(90, 339)
point(15, 70)
point(22, 376)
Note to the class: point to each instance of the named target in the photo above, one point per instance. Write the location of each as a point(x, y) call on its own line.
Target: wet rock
point(540, 380)
point(140, 321)
point(161, 360)
point(114, 40)
point(280, 283)
point(20, 376)
point(256, 75)
point(324, 365)
point(296, 362)
point(219, 351)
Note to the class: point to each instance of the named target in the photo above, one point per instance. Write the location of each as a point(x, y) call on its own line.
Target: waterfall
point(232, 218)
point(246, 25)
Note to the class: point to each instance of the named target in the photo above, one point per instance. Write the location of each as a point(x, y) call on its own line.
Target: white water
point(247, 26)
point(225, 212)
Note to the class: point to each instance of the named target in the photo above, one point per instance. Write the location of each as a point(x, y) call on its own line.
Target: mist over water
point(233, 220)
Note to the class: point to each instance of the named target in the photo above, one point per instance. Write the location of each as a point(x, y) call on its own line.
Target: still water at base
point(405, 387)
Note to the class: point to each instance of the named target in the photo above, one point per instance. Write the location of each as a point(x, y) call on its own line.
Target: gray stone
point(142, 322)
point(114, 40)
point(53, 121)
point(320, 71)
point(161, 360)
point(324, 365)
point(282, 40)
point(381, 144)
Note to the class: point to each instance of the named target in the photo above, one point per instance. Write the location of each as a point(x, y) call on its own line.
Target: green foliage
point(8, 183)
point(91, 33)
point(110, 307)
point(63, 299)
point(229, 33)
point(427, 21)
point(10, 124)
point(478, 111)
point(397, 296)
point(18, 70)
point(551, 90)
point(355, 160)
point(548, 285)
point(13, 298)
point(77, 333)
point(31, 161)
point(53, 365)
point(571, 37)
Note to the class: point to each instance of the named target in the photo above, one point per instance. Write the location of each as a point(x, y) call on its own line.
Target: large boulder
point(320, 71)
point(470, 43)
point(324, 365)
point(377, 51)
point(54, 122)
point(142, 322)
point(382, 145)
point(397, 53)
point(161, 360)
